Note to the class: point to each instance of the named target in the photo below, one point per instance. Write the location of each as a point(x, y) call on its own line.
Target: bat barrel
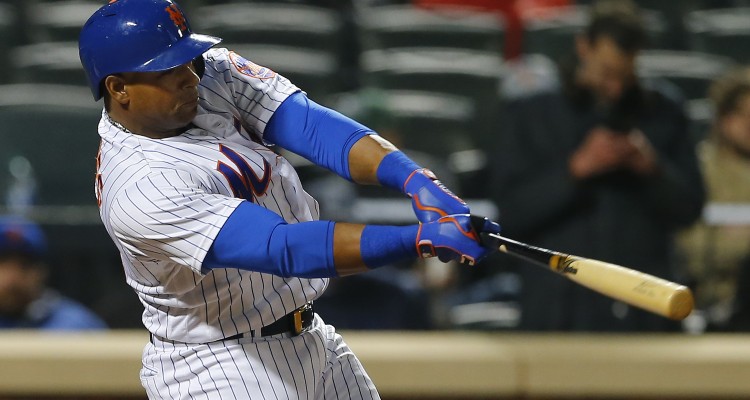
point(633, 287)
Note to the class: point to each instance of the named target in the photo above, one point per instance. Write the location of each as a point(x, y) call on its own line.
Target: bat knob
point(484, 226)
point(681, 303)
point(487, 240)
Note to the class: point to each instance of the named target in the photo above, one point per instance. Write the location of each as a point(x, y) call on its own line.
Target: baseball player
point(217, 236)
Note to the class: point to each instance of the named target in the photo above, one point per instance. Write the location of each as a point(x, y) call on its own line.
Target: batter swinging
point(217, 237)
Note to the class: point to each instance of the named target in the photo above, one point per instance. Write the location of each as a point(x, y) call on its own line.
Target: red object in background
point(509, 10)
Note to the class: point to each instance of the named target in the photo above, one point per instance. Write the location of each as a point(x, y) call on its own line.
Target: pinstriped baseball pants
point(315, 365)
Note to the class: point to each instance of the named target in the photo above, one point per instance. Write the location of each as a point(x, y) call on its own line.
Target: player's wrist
point(395, 169)
point(382, 245)
point(430, 198)
point(417, 180)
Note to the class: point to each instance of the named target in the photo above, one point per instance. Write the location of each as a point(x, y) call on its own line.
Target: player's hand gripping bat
point(636, 288)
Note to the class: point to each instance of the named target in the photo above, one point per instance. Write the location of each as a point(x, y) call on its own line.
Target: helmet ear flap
point(200, 66)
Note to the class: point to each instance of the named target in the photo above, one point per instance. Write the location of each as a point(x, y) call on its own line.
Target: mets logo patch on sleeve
point(250, 68)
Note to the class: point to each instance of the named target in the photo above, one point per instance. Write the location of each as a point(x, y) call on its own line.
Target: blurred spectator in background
point(25, 300)
point(714, 250)
point(601, 166)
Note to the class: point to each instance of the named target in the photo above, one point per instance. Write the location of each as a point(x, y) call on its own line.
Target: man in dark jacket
point(602, 167)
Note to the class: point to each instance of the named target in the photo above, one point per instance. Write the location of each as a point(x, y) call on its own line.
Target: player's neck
point(141, 128)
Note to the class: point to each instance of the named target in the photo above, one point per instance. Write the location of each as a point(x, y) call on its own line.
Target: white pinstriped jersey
point(163, 202)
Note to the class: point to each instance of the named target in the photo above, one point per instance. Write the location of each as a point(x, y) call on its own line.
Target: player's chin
point(188, 111)
point(190, 104)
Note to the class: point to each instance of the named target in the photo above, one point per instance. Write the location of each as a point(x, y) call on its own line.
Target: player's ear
point(115, 86)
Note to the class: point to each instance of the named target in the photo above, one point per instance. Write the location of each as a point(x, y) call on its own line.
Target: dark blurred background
point(428, 75)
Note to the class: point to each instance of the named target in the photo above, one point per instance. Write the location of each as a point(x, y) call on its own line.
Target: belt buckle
point(297, 316)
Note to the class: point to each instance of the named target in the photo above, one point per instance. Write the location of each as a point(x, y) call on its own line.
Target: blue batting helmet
point(137, 36)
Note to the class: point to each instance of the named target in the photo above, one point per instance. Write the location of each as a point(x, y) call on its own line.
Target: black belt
point(296, 322)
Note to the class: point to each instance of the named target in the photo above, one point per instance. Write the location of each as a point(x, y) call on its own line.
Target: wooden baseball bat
point(633, 287)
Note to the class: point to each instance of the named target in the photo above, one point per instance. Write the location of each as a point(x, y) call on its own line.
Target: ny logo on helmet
point(177, 17)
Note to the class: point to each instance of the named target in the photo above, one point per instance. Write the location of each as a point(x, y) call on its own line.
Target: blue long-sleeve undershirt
point(319, 134)
point(256, 239)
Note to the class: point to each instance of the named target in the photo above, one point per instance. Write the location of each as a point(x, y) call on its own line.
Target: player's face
point(21, 283)
point(162, 103)
point(735, 127)
point(605, 69)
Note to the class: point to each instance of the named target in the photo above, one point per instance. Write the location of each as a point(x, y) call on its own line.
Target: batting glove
point(454, 237)
point(430, 199)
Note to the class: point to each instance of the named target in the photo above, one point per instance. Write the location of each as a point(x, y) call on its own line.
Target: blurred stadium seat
point(692, 72)
point(310, 29)
point(271, 24)
point(54, 127)
point(474, 74)
point(409, 26)
point(48, 62)
point(434, 123)
point(721, 31)
point(437, 124)
point(59, 20)
point(8, 17)
point(458, 71)
point(440, 128)
point(674, 18)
